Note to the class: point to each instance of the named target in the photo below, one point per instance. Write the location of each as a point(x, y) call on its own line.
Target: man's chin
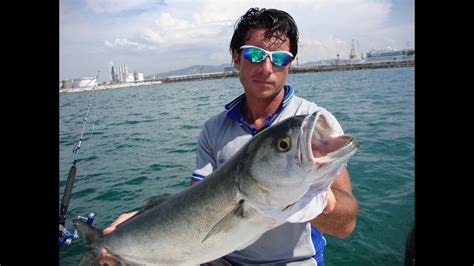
point(264, 93)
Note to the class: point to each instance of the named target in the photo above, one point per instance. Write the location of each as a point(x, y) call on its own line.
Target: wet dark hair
point(278, 24)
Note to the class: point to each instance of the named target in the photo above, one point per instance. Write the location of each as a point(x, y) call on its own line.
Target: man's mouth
point(318, 143)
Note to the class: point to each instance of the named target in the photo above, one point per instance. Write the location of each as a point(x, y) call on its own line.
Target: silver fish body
point(279, 176)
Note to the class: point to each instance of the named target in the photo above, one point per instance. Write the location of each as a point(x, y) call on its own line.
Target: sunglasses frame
point(268, 53)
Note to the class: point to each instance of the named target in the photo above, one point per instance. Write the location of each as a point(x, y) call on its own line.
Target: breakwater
point(111, 86)
point(296, 69)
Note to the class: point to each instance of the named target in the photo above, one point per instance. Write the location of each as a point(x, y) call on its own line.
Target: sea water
point(140, 142)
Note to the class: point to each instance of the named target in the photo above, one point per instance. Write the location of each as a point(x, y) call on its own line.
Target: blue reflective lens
point(256, 55)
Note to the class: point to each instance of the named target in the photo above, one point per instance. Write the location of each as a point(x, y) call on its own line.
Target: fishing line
point(65, 236)
point(95, 116)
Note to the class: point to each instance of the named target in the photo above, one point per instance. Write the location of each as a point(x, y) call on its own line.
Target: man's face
point(262, 80)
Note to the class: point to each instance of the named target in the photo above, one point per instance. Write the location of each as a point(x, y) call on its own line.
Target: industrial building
point(78, 83)
point(120, 74)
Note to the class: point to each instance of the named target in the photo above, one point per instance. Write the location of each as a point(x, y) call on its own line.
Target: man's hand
point(331, 202)
point(122, 218)
point(339, 215)
point(105, 258)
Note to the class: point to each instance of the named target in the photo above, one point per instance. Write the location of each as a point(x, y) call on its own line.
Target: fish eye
point(284, 144)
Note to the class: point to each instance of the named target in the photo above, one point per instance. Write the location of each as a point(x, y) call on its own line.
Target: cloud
point(166, 29)
point(152, 36)
point(198, 32)
point(322, 48)
point(167, 22)
point(116, 6)
point(127, 44)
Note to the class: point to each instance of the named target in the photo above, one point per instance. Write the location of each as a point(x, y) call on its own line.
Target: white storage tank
point(138, 76)
point(84, 82)
point(128, 77)
point(67, 83)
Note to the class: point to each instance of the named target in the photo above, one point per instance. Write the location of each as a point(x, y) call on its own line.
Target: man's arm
point(339, 217)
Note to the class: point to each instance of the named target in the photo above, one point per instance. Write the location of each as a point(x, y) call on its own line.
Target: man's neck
point(256, 110)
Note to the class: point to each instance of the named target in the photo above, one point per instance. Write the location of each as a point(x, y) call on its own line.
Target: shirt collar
point(234, 109)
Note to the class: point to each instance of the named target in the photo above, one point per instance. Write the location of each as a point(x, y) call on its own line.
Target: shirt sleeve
point(331, 119)
point(205, 158)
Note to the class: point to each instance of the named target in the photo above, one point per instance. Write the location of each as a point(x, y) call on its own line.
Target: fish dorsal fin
point(228, 222)
point(89, 234)
point(150, 202)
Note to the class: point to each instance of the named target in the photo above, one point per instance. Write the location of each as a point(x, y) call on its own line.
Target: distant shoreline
point(111, 86)
point(227, 74)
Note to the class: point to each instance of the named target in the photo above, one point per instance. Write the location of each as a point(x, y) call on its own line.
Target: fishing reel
point(66, 236)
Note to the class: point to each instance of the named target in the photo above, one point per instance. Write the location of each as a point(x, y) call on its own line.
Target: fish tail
point(90, 236)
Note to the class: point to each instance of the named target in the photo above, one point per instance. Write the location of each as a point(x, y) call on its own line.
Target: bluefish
point(280, 175)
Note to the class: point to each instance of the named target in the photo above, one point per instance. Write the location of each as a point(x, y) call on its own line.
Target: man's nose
point(266, 65)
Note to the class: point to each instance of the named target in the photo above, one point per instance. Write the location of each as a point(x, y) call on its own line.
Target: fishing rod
point(65, 235)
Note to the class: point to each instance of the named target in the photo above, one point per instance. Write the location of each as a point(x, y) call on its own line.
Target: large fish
point(280, 175)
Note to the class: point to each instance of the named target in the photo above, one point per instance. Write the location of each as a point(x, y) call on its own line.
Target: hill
point(194, 69)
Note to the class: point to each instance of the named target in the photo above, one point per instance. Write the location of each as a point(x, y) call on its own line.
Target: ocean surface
point(141, 141)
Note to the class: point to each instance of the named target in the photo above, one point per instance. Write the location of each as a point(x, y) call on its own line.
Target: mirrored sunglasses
point(256, 55)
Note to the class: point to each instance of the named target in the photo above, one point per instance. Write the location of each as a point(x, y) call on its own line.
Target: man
point(264, 43)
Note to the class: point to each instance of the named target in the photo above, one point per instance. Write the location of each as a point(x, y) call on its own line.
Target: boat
point(388, 55)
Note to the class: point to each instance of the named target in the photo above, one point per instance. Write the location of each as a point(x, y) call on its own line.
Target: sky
point(159, 36)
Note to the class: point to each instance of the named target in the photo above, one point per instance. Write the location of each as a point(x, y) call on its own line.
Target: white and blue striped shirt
point(221, 137)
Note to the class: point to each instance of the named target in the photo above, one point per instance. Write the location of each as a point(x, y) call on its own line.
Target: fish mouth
point(319, 144)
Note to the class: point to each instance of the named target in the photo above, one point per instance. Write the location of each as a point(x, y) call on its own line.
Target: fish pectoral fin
point(228, 222)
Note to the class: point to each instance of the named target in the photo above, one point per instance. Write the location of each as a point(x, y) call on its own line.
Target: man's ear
point(236, 59)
